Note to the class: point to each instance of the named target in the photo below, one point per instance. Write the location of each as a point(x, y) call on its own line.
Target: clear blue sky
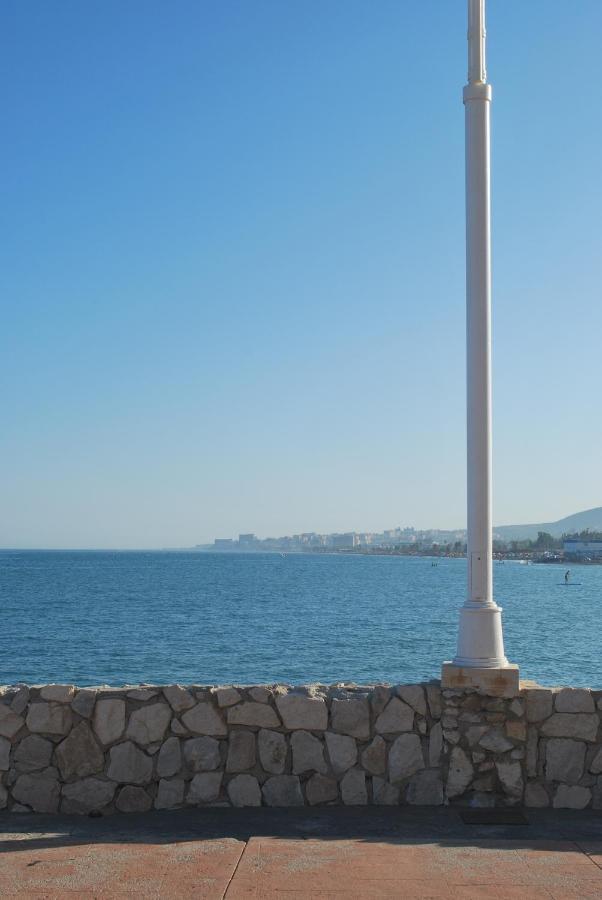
point(232, 266)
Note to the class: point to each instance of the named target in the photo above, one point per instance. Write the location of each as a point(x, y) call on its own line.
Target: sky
point(232, 267)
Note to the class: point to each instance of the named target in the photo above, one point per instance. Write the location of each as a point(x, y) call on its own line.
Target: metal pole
point(480, 640)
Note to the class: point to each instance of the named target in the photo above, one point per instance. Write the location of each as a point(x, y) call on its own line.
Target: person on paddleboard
point(567, 575)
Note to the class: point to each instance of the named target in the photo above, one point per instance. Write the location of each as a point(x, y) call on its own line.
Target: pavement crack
point(235, 870)
point(589, 856)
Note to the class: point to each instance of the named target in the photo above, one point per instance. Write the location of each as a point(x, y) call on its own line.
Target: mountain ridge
point(587, 518)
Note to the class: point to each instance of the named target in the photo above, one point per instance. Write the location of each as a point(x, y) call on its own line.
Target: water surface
point(125, 617)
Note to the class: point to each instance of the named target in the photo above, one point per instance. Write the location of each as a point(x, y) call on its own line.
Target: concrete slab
point(328, 853)
point(183, 869)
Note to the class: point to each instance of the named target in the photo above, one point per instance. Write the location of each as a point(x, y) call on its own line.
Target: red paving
point(298, 868)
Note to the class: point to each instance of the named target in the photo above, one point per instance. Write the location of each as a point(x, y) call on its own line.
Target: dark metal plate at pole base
point(493, 817)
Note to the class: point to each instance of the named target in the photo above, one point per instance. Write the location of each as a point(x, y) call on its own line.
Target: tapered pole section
point(480, 641)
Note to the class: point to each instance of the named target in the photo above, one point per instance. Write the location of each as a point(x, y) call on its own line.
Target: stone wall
point(103, 750)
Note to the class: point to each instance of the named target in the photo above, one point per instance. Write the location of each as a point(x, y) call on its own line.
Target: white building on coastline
point(578, 547)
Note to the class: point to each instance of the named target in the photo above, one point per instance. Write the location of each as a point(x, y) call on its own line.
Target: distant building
point(223, 544)
point(576, 547)
point(345, 541)
point(246, 539)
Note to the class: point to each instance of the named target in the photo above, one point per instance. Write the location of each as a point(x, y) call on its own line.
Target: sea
point(114, 618)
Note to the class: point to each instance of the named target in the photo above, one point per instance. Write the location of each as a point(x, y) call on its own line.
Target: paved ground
point(327, 853)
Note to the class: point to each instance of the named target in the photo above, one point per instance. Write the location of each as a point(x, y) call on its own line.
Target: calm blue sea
point(115, 617)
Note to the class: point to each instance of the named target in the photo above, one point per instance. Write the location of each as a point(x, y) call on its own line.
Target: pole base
point(480, 638)
point(502, 681)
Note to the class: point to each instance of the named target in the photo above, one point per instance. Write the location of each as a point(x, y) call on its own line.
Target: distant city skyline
point(232, 259)
point(578, 521)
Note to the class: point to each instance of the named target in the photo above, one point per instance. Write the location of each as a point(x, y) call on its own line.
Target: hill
point(589, 518)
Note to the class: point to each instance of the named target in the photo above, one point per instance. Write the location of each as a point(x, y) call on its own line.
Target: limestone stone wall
point(103, 750)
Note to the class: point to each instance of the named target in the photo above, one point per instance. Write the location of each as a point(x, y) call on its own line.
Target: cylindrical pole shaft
point(477, 99)
point(480, 641)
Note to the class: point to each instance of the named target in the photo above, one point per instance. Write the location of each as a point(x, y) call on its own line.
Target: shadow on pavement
point(394, 825)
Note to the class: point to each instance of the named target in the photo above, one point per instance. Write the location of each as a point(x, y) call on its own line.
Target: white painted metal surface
point(480, 640)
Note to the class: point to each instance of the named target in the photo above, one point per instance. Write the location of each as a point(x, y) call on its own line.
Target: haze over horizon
point(233, 256)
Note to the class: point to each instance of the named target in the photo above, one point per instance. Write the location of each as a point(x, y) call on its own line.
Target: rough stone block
point(131, 799)
point(574, 700)
point(516, 730)
point(59, 693)
point(596, 764)
point(109, 719)
point(495, 741)
point(517, 708)
point(241, 751)
point(5, 746)
point(435, 745)
point(397, 716)
point(405, 757)
point(244, 790)
point(39, 792)
point(308, 753)
point(433, 693)
point(379, 698)
point(301, 712)
point(321, 790)
point(511, 778)
point(148, 724)
point(205, 788)
point(571, 797)
point(572, 725)
point(178, 697)
point(384, 793)
point(272, 751)
point(253, 715)
point(342, 751)
point(170, 793)
point(425, 788)
point(142, 693)
point(564, 760)
point(33, 753)
point(532, 749)
point(128, 764)
point(79, 754)
point(536, 796)
point(86, 796)
point(474, 734)
point(352, 717)
point(260, 694)
point(353, 788)
point(226, 696)
point(49, 718)
point(20, 700)
point(539, 703)
point(83, 702)
point(205, 719)
point(460, 773)
point(283, 790)
point(169, 760)
point(374, 757)
point(202, 754)
point(413, 695)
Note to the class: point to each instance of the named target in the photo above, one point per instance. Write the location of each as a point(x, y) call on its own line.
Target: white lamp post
point(480, 661)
